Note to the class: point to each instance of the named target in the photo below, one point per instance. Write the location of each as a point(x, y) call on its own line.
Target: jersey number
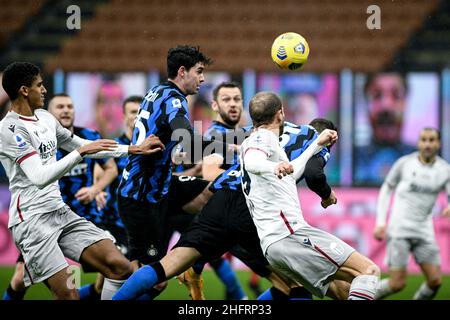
point(143, 114)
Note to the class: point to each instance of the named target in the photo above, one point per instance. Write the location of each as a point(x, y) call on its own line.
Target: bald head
point(263, 107)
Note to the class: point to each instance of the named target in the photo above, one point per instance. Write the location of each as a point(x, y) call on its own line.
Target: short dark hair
point(263, 107)
point(226, 84)
point(60, 94)
point(18, 74)
point(136, 99)
point(186, 56)
point(321, 124)
point(433, 129)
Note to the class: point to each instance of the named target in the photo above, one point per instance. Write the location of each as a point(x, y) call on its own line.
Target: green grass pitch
point(213, 288)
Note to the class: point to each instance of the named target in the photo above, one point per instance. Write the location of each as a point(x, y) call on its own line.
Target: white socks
point(110, 287)
point(383, 289)
point(425, 292)
point(363, 287)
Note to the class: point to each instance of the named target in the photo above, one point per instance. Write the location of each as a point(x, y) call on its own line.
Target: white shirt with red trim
point(20, 138)
point(273, 202)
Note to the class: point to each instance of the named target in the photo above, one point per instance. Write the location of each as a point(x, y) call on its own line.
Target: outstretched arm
point(42, 175)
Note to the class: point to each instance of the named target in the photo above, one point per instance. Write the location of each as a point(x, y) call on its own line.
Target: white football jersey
point(273, 202)
point(20, 138)
point(417, 186)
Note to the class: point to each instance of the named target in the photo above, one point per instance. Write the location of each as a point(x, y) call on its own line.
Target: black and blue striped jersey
point(294, 140)
point(111, 212)
point(82, 175)
point(148, 177)
point(218, 130)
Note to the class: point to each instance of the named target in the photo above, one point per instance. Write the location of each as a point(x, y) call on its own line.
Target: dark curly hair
point(186, 56)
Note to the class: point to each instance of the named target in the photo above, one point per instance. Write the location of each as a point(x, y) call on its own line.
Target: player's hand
point(327, 137)
point(379, 233)
point(86, 194)
point(446, 212)
point(100, 199)
point(329, 201)
point(283, 169)
point(178, 155)
point(97, 146)
point(150, 145)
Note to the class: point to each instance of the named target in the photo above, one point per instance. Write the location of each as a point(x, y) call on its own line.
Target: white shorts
point(309, 256)
point(45, 240)
point(424, 252)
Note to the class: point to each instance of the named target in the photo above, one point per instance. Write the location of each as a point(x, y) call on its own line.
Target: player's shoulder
point(10, 126)
point(42, 113)
point(442, 162)
point(407, 158)
point(262, 136)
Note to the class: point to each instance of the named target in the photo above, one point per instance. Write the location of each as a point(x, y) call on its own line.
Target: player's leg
point(363, 275)
point(205, 237)
point(92, 291)
point(110, 262)
point(175, 262)
point(62, 285)
point(147, 226)
point(44, 261)
point(338, 290)
point(426, 254)
point(16, 289)
point(433, 281)
point(397, 257)
point(190, 195)
point(233, 289)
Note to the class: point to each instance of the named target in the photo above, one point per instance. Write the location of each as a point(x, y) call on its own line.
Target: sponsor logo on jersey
point(47, 150)
point(12, 128)
point(20, 141)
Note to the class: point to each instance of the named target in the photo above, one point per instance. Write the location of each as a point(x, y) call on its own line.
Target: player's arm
point(69, 142)
point(183, 134)
point(316, 180)
point(211, 166)
point(109, 172)
point(384, 198)
point(326, 137)
point(446, 212)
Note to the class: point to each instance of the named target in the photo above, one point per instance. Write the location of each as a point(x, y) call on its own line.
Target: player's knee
point(372, 270)
point(17, 280)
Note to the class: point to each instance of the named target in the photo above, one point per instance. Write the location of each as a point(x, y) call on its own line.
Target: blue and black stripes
point(80, 176)
point(148, 177)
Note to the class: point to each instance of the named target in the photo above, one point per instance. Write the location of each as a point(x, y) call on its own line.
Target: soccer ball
point(290, 51)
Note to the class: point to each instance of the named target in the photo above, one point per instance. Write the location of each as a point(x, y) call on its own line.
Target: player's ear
point(182, 71)
point(215, 106)
point(23, 90)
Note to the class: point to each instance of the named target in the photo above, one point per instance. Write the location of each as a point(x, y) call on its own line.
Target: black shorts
point(223, 223)
point(183, 189)
point(146, 224)
point(150, 225)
